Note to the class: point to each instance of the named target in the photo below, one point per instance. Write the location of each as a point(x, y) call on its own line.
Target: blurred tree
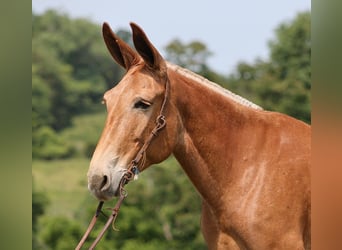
point(291, 64)
point(39, 203)
point(193, 55)
point(60, 233)
point(291, 50)
point(63, 61)
point(283, 83)
point(47, 144)
point(71, 69)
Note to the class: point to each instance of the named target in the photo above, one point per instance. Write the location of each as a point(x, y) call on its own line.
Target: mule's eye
point(141, 104)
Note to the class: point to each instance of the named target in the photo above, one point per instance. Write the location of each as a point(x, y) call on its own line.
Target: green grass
point(64, 182)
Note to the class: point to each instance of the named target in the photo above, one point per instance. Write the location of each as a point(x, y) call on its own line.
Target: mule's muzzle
point(100, 186)
point(105, 185)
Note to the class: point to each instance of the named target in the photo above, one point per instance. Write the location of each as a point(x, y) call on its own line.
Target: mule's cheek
point(159, 150)
point(163, 145)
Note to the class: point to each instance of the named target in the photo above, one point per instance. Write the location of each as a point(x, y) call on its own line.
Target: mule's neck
point(210, 123)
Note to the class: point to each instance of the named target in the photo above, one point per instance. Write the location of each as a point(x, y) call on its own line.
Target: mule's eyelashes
point(142, 104)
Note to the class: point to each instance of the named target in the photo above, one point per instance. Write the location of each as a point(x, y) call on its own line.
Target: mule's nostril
point(105, 183)
point(99, 182)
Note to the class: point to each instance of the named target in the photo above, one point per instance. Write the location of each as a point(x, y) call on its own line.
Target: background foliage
point(71, 69)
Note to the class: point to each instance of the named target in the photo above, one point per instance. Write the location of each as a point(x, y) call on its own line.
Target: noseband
point(131, 172)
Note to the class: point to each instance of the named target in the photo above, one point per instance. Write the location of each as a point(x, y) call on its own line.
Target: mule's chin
point(104, 196)
point(108, 194)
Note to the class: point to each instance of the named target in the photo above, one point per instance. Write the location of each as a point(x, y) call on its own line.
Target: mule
point(250, 166)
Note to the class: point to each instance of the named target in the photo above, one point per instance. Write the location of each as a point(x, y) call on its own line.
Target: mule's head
point(132, 106)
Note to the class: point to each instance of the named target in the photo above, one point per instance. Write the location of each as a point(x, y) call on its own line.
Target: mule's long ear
point(146, 50)
point(120, 51)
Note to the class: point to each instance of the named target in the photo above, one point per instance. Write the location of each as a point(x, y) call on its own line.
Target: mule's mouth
point(104, 196)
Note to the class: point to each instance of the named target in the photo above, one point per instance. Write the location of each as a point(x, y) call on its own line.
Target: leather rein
point(131, 172)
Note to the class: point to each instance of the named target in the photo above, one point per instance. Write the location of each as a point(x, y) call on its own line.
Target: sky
point(234, 31)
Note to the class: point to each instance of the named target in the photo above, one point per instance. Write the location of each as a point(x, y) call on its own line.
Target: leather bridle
point(131, 172)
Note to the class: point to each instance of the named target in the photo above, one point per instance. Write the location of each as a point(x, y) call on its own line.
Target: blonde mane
point(213, 86)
